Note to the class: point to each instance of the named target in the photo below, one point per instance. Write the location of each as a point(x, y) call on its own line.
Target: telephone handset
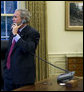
point(23, 22)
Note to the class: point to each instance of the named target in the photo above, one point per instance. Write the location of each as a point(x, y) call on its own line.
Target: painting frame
point(68, 25)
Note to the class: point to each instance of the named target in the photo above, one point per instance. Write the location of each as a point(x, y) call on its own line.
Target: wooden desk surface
point(50, 84)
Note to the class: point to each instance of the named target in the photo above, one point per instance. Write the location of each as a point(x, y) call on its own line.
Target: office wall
point(61, 42)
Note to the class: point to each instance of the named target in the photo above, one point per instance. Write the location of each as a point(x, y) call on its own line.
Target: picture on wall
point(74, 15)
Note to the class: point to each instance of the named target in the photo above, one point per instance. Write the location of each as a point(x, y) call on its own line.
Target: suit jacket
point(22, 68)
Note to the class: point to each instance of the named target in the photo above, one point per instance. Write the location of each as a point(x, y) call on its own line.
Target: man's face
point(16, 18)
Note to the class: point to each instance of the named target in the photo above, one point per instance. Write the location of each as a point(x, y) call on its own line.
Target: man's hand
point(15, 28)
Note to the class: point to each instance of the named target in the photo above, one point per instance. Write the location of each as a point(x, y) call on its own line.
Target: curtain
point(38, 21)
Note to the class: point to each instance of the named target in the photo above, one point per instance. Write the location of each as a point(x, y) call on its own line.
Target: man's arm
point(30, 43)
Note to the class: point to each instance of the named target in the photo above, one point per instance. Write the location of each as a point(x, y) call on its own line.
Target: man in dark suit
point(19, 66)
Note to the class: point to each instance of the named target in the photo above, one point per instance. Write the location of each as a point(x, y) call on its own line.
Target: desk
point(50, 84)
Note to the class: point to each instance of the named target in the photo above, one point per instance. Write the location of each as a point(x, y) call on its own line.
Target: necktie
point(9, 55)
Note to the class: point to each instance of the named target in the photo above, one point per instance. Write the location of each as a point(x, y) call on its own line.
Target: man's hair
point(24, 14)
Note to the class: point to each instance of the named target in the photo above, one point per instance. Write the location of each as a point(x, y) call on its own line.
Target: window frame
point(6, 15)
point(20, 4)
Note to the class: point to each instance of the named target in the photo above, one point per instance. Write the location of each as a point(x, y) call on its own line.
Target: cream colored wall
point(59, 40)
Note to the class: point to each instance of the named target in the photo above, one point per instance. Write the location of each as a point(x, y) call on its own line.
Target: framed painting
point(74, 15)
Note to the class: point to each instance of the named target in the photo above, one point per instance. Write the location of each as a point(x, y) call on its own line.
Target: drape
point(38, 21)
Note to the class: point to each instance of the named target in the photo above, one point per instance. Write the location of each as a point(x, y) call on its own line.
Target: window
point(7, 10)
